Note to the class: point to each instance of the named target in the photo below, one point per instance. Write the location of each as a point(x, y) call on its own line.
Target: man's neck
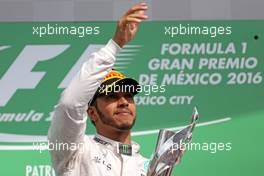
point(119, 136)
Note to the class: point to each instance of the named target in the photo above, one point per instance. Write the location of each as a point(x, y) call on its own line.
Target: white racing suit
point(77, 154)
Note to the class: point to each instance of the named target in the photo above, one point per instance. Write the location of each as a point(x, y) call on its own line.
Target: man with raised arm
point(110, 152)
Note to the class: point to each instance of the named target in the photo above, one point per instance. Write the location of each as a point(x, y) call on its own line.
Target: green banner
point(214, 65)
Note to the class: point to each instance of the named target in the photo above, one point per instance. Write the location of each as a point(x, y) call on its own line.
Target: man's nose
point(122, 101)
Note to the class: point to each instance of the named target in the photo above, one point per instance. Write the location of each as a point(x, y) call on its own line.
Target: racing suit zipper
point(122, 165)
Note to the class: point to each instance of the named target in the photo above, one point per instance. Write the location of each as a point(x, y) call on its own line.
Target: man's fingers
point(138, 7)
point(139, 16)
point(131, 19)
point(135, 14)
point(127, 24)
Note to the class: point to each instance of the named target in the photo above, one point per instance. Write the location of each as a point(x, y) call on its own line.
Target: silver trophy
point(169, 148)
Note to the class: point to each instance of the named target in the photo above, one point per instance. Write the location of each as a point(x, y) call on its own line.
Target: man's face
point(117, 110)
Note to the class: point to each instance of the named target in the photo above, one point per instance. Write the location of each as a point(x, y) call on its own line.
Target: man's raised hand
point(128, 24)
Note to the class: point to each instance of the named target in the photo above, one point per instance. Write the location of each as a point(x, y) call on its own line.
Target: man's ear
point(92, 113)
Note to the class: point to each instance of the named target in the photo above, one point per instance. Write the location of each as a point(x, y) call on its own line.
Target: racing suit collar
point(118, 147)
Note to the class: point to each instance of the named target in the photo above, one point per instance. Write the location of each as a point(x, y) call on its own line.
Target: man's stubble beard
point(110, 122)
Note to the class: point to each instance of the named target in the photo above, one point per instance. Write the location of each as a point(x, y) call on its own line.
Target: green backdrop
point(187, 64)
